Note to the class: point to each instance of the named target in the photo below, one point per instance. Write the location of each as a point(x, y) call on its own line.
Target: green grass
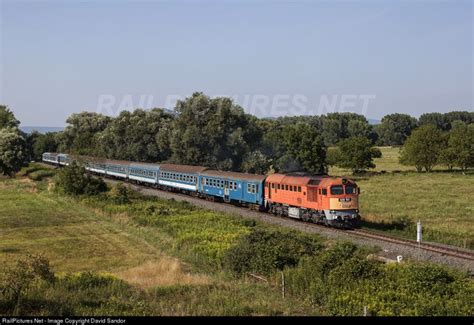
point(82, 235)
point(394, 201)
point(441, 201)
point(71, 235)
point(176, 250)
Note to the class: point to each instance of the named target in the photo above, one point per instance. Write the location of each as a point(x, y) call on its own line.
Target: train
point(320, 199)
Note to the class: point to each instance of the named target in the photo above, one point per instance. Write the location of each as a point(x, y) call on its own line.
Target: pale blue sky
point(61, 57)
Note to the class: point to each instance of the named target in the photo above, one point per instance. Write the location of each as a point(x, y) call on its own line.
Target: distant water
point(41, 129)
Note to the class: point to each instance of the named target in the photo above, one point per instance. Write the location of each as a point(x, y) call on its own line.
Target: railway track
point(439, 249)
point(431, 247)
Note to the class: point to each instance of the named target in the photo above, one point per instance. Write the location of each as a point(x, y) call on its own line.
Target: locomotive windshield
point(337, 190)
point(350, 189)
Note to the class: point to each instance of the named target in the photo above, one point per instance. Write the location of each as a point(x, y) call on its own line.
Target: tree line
point(217, 133)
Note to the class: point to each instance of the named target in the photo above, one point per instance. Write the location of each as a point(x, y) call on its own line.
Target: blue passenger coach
point(232, 186)
point(50, 157)
point(144, 172)
point(63, 159)
point(180, 177)
point(94, 164)
point(117, 168)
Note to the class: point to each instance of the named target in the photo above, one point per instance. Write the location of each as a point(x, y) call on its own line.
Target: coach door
point(269, 190)
point(226, 191)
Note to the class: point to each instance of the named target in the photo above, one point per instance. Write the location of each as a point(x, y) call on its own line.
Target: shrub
point(39, 175)
point(265, 251)
point(19, 278)
point(120, 194)
point(74, 180)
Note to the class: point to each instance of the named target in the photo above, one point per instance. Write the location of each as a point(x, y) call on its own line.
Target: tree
point(461, 145)
point(338, 126)
point(395, 128)
point(37, 144)
point(80, 136)
point(74, 180)
point(464, 116)
point(356, 153)
point(441, 121)
point(138, 136)
point(306, 146)
point(212, 132)
point(7, 118)
point(12, 151)
point(256, 162)
point(422, 149)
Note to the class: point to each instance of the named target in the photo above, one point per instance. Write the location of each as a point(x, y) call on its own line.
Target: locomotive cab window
point(350, 189)
point(337, 190)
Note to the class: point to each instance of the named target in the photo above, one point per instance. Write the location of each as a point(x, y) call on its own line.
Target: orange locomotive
point(318, 199)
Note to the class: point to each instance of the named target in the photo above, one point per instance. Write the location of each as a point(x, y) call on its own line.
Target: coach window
point(324, 191)
point(286, 187)
point(278, 186)
point(299, 188)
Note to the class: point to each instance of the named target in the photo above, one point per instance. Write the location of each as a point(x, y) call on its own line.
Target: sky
point(273, 58)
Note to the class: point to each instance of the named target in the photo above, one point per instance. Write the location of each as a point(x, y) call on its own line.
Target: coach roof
point(235, 175)
point(182, 168)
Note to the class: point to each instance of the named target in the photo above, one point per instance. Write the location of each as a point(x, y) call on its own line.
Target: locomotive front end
point(343, 206)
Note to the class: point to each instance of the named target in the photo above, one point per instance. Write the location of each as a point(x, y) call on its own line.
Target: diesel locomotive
point(331, 201)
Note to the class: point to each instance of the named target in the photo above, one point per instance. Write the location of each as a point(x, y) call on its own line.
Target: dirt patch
point(165, 272)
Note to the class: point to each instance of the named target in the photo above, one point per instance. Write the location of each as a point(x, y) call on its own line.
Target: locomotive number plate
point(345, 199)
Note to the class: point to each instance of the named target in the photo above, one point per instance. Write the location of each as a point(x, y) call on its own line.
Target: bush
point(343, 282)
point(120, 194)
point(74, 180)
point(39, 175)
point(264, 251)
point(18, 279)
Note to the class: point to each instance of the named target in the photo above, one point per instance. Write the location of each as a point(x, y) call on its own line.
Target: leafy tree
point(422, 149)
point(464, 116)
point(40, 143)
point(356, 154)
point(256, 162)
point(460, 148)
point(80, 135)
point(74, 180)
point(338, 126)
point(306, 146)
point(333, 156)
point(138, 136)
point(395, 128)
point(7, 118)
point(441, 121)
point(212, 132)
point(12, 151)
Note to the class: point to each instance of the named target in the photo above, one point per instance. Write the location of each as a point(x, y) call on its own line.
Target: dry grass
point(167, 271)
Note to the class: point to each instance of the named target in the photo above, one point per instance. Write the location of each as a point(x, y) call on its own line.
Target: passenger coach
point(232, 186)
point(180, 177)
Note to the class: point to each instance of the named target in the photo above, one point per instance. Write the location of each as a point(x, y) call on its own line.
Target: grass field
point(395, 201)
point(87, 236)
point(163, 257)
